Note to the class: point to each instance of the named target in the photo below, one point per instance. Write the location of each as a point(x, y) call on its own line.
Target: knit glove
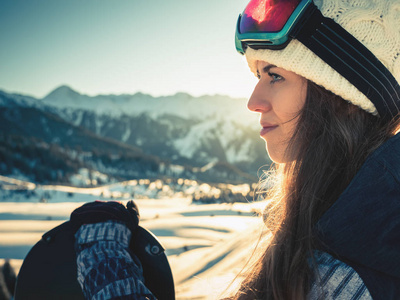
point(106, 267)
point(102, 211)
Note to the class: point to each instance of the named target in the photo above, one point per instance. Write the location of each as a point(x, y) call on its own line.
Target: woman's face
point(278, 96)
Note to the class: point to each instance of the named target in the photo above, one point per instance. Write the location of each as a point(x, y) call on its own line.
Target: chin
point(277, 160)
point(277, 156)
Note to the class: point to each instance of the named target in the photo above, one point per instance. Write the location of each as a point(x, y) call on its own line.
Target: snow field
point(207, 245)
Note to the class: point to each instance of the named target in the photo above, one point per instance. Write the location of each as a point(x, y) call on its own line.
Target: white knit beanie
point(375, 23)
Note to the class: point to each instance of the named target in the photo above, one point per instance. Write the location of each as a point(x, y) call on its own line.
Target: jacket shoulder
point(334, 279)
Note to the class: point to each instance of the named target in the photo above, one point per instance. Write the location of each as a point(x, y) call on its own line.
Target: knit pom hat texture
point(375, 23)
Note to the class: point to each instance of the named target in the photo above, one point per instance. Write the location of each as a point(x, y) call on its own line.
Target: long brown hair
point(331, 141)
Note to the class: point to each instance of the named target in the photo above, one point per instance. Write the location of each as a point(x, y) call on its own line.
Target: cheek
point(299, 99)
point(292, 101)
point(288, 109)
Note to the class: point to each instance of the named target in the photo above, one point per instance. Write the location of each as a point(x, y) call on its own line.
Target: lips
point(266, 127)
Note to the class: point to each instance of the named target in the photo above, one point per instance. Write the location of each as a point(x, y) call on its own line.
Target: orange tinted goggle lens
point(266, 15)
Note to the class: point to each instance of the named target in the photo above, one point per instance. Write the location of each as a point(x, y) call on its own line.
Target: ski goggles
point(272, 24)
point(269, 24)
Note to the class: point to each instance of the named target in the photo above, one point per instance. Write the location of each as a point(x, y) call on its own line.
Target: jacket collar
point(363, 225)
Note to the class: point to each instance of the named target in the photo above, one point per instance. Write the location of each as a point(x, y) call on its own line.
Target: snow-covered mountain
point(180, 129)
point(180, 104)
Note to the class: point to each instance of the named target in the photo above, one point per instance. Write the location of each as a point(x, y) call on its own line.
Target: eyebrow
point(266, 69)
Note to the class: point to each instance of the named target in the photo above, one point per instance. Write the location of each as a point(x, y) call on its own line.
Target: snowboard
point(49, 271)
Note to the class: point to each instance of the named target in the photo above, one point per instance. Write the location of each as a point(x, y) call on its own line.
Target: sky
point(158, 47)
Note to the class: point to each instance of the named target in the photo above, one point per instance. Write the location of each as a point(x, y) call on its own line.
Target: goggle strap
point(376, 78)
point(352, 60)
point(308, 22)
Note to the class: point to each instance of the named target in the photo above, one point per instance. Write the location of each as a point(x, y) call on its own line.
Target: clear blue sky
point(158, 47)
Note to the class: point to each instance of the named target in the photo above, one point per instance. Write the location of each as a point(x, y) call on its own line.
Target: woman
point(328, 98)
point(330, 127)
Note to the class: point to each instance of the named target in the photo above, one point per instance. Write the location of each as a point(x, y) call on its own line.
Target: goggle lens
point(266, 15)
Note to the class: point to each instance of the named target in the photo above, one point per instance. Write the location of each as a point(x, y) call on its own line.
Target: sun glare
point(257, 10)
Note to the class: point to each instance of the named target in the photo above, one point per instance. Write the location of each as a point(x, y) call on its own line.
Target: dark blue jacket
point(362, 228)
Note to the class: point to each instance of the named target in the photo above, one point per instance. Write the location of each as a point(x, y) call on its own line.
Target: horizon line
point(114, 94)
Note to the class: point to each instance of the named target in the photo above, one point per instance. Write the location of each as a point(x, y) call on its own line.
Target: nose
point(258, 100)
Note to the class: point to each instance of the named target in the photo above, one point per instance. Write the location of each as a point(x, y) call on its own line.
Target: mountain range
point(212, 138)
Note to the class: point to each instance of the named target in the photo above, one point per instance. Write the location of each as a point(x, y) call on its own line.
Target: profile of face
point(278, 97)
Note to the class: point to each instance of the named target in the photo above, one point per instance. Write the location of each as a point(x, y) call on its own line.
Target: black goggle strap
point(352, 60)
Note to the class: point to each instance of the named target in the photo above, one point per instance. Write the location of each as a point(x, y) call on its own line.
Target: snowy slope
point(15, 100)
point(207, 245)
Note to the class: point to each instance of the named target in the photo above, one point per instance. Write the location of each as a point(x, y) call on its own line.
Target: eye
point(275, 77)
